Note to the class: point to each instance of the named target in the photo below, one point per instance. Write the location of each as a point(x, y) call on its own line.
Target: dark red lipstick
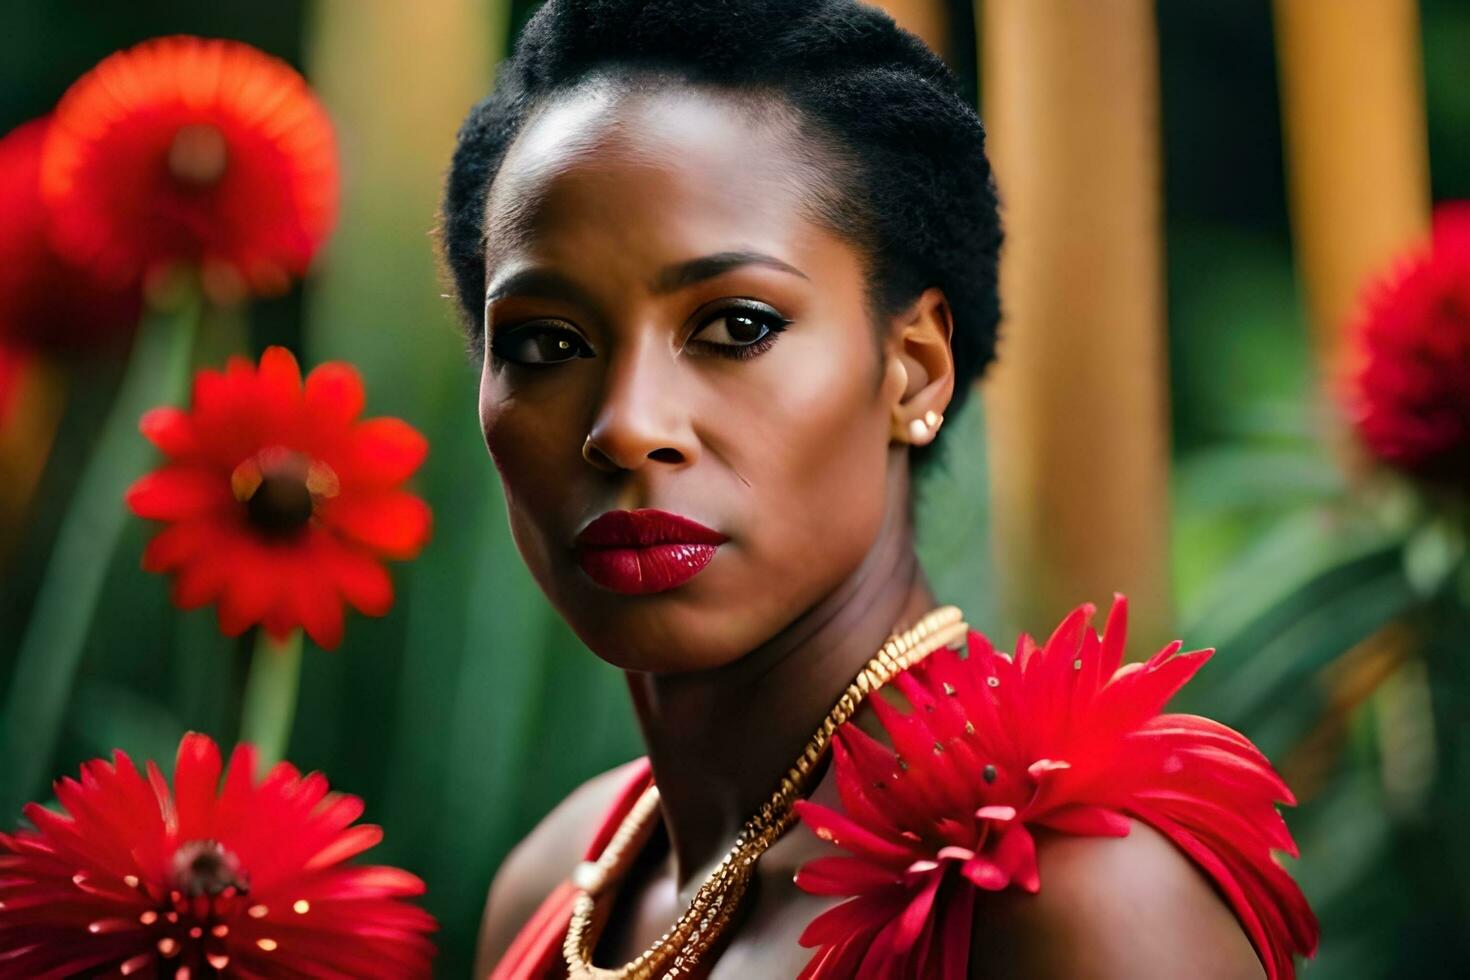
point(641, 551)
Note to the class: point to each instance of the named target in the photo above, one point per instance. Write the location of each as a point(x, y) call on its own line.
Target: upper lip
point(645, 527)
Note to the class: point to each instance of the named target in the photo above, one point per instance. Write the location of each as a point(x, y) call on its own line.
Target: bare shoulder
point(1110, 908)
point(542, 860)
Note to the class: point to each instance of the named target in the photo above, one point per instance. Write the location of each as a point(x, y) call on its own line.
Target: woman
point(728, 264)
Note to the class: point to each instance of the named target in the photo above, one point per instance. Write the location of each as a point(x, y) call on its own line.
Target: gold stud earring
point(933, 419)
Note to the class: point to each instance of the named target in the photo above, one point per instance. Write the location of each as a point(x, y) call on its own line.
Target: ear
point(919, 369)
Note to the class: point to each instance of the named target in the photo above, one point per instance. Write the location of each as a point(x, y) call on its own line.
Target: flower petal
point(386, 451)
point(254, 586)
point(280, 375)
point(170, 429)
point(843, 876)
point(177, 493)
point(395, 522)
point(334, 393)
point(361, 579)
point(196, 781)
point(178, 544)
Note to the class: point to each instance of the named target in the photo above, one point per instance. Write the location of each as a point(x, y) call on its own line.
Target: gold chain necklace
point(678, 949)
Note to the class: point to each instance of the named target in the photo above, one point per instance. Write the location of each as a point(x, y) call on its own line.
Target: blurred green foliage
point(470, 710)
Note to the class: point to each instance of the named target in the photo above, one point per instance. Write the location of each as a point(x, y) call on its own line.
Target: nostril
point(593, 454)
point(667, 455)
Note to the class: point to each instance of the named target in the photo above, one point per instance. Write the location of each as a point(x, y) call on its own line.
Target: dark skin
point(798, 451)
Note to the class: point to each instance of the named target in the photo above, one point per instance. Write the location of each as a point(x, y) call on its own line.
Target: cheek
point(818, 470)
point(521, 438)
point(497, 426)
point(523, 429)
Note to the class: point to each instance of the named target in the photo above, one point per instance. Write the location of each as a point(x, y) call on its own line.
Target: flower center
point(204, 867)
point(198, 155)
point(281, 503)
point(280, 489)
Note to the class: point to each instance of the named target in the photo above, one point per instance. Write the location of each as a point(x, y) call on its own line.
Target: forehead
point(674, 170)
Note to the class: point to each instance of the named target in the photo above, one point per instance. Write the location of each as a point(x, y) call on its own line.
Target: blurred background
point(1196, 194)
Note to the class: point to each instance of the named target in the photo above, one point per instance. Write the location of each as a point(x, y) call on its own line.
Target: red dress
point(1061, 736)
point(536, 954)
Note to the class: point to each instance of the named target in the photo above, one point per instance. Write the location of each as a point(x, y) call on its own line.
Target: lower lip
point(638, 571)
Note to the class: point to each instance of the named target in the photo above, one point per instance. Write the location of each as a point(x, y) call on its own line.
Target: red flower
point(280, 502)
point(1408, 389)
point(248, 880)
point(201, 151)
point(1061, 737)
point(45, 301)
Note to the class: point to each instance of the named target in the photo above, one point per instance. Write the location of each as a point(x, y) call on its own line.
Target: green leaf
point(106, 717)
point(1300, 557)
point(1242, 475)
point(1272, 659)
point(202, 676)
point(51, 651)
point(1433, 554)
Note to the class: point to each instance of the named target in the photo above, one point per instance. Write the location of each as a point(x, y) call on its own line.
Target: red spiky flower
point(248, 879)
point(1060, 737)
point(1408, 382)
point(280, 502)
point(45, 301)
point(205, 152)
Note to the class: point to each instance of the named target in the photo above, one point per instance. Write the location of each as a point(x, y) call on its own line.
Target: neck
point(720, 740)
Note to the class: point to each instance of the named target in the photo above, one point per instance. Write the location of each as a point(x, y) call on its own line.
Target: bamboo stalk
point(1076, 406)
point(1352, 95)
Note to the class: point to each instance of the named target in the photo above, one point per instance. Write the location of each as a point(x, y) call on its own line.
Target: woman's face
point(653, 284)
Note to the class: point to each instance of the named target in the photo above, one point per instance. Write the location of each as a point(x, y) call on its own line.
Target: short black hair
point(916, 194)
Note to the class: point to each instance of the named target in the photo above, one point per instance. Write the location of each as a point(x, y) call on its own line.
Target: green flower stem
point(157, 373)
point(270, 695)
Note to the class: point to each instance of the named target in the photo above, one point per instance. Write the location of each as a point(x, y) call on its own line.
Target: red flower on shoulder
point(1062, 737)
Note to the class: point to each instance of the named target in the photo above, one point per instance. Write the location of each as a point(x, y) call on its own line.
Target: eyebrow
point(548, 284)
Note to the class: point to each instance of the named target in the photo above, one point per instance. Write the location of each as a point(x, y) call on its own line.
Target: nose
point(640, 415)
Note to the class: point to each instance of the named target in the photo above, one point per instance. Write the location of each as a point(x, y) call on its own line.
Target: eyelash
point(774, 322)
point(502, 339)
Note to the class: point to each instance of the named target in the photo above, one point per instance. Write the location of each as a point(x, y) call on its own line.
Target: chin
point(657, 634)
point(678, 631)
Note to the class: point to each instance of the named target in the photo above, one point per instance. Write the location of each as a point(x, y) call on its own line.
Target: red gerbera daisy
point(248, 880)
point(1408, 390)
point(1061, 737)
point(44, 300)
point(202, 151)
point(280, 502)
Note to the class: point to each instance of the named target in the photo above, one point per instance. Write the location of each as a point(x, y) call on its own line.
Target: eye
point(538, 343)
point(740, 331)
